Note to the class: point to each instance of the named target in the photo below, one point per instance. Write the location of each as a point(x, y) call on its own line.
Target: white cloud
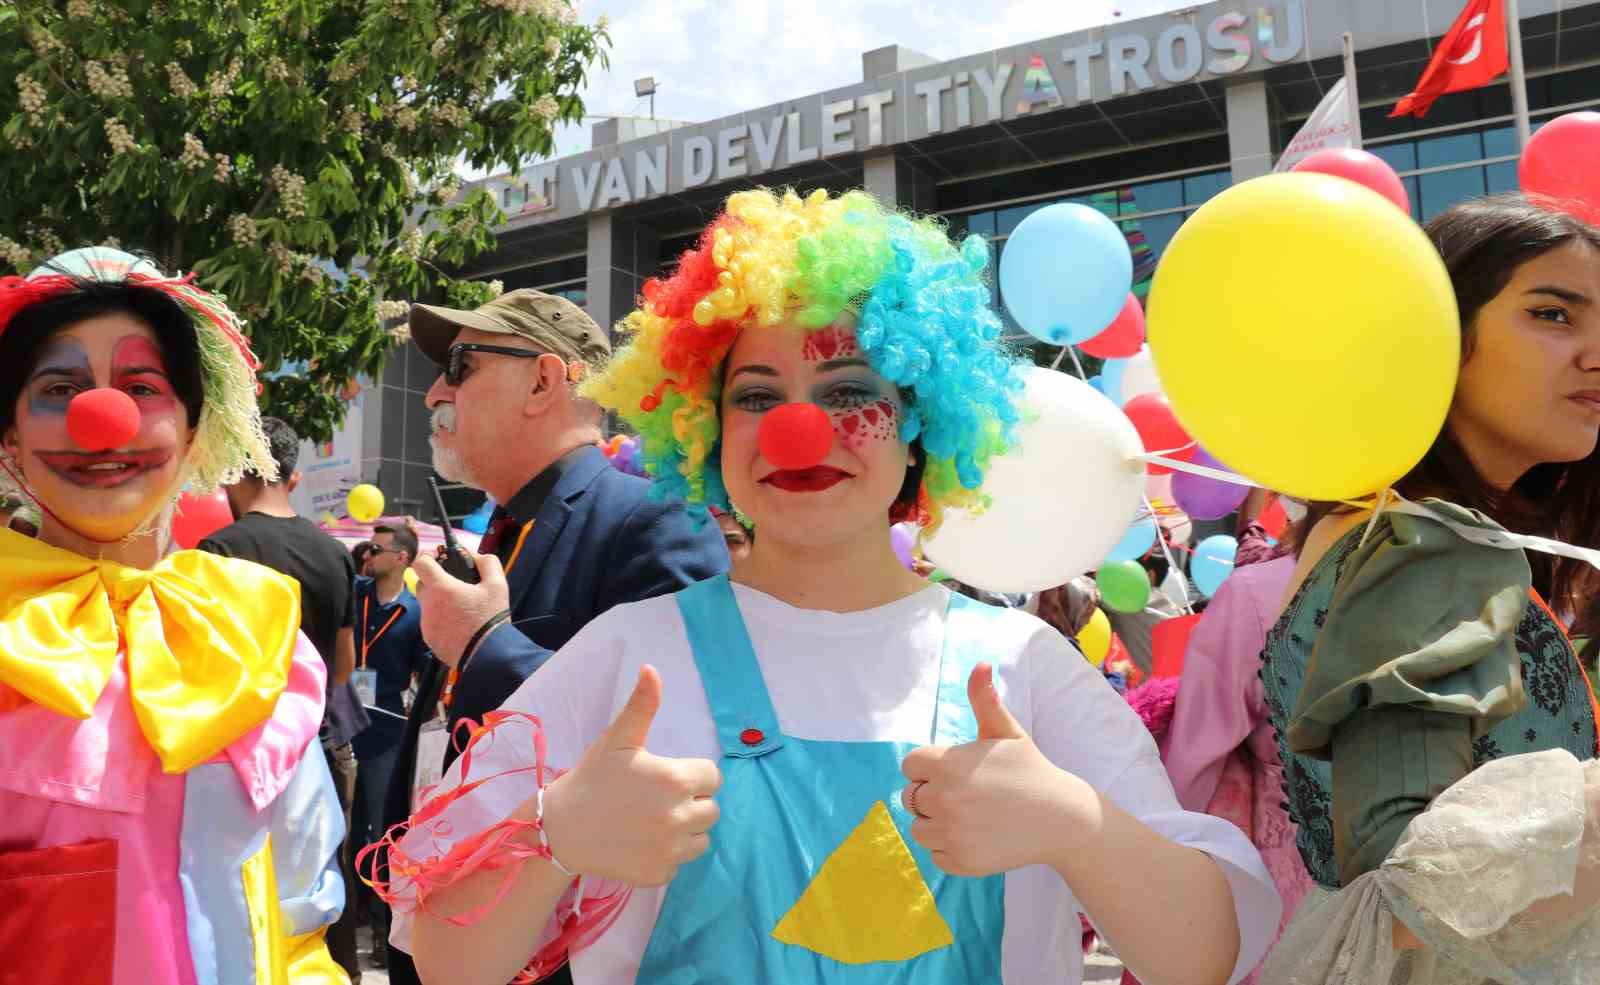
point(713, 58)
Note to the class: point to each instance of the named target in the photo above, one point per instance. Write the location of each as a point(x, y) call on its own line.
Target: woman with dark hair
point(1437, 731)
point(359, 554)
point(160, 820)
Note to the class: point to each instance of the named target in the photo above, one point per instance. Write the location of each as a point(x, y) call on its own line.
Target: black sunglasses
point(456, 367)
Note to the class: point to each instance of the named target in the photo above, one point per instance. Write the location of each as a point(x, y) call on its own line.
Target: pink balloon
point(1158, 485)
point(1123, 337)
point(1560, 163)
point(199, 517)
point(1362, 168)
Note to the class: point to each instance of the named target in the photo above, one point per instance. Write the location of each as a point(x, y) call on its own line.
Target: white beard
point(447, 461)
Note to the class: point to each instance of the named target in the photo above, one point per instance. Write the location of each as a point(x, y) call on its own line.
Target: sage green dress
point(1409, 658)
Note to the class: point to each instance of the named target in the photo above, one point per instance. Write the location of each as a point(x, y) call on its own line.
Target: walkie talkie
point(453, 558)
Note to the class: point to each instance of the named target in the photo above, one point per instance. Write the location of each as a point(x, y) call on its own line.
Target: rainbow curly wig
point(925, 323)
point(228, 440)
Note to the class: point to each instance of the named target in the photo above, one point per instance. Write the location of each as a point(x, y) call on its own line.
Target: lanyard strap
point(449, 692)
point(366, 611)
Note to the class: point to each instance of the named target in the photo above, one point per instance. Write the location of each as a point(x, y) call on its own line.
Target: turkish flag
point(1471, 54)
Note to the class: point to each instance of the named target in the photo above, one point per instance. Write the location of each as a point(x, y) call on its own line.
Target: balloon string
point(1076, 364)
point(1172, 563)
point(1221, 475)
point(1060, 356)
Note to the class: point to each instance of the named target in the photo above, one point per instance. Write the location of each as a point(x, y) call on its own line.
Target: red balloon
point(1560, 163)
point(795, 436)
point(1159, 429)
point(1362, 168)
point(102, 419)
point(1123, 337)
point(199, 517)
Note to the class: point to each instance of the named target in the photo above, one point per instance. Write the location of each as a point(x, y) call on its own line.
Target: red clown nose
point(795, 436)
point(102, 419)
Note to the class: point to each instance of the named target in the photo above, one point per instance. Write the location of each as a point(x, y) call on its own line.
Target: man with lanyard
point(390, 653)
point(574, 537)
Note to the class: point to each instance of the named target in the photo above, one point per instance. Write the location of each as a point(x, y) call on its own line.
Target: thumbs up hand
point(624, 814)
point(994, 804)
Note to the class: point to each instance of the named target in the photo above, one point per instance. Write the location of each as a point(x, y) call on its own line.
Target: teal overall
point(812, 875)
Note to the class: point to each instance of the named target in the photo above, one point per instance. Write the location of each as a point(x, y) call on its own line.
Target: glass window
point(1199, 188)
point(1501, 177)
point(1005, 220)
point(1455, 148)
point(1400, 155)
point(1153, 196)
point(1500, 142)
point(980, 223)
point(1414, 193)
point(1446, 188)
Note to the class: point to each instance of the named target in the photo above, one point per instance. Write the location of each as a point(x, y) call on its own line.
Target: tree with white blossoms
point(297, 156)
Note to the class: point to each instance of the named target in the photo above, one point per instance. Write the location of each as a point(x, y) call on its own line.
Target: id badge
point(432, 742)
point(366, 683)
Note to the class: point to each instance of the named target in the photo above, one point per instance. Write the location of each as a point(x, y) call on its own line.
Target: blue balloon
point(1213, 563)
point(1065, 272)
point(1136, 542)
point(478, 520)
point(1111, 379)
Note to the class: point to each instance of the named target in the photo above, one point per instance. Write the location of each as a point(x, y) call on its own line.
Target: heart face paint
point(860, 414)
point(875, 422)
point(833, 342)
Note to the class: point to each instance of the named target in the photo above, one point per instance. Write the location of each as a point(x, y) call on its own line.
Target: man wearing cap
point(573, 538)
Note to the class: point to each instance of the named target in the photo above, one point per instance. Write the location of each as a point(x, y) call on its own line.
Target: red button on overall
point(752, 737)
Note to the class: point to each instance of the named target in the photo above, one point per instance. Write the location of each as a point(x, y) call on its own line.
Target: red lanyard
point(366, 644)
point(455, 675)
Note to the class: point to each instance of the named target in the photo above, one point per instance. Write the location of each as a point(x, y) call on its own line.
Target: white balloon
point(1139, 377)
point(1061, 500)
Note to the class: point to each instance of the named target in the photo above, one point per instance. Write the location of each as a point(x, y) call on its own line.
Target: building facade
point(1144, 119)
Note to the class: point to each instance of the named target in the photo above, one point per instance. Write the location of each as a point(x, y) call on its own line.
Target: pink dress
point(1220, 751)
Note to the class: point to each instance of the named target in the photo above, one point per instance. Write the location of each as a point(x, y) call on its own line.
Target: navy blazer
point(599, 540)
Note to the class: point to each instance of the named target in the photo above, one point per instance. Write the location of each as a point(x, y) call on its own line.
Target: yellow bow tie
point(209, 641)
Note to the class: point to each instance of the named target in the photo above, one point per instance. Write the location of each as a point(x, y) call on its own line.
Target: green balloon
point(1124, 586)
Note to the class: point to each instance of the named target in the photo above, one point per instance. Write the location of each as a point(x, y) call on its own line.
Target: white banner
point(330, 470)
point(1329, 126)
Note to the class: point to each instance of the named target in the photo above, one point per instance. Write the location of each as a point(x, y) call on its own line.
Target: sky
point(712, 58)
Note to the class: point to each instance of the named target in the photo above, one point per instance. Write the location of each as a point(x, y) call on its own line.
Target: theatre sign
point(1212, 41)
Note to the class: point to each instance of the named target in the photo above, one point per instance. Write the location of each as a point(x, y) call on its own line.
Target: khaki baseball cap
point(553, 323)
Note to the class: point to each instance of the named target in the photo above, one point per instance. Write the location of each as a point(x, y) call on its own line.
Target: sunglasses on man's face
point(455, 369)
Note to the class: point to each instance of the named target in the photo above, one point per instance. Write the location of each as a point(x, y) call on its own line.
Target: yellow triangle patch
point(868, 902)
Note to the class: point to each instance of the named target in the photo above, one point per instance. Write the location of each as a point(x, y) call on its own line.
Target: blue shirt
point(388, 641)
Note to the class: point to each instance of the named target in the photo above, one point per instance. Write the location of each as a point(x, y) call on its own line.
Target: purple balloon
point(1203, 498)
point(903, 538)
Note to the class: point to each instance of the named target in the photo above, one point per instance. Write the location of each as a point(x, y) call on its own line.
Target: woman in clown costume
point(165, 816)
point(825, 770)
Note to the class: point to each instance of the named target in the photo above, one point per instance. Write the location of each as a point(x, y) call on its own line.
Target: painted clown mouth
point(814, 479)
point(104, 470)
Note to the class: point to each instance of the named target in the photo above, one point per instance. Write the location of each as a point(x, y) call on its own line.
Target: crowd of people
point(706, 724)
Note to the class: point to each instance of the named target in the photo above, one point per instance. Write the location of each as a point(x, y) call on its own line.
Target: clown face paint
point(860, 414)
point(847, 494)
point(102, 495)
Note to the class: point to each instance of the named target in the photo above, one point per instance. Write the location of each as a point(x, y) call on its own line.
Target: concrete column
point(1249, 130)
point(895, 182)
point(621, 256)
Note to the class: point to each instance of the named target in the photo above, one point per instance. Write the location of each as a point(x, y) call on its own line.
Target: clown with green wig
point(821, 768)
point(166, 814)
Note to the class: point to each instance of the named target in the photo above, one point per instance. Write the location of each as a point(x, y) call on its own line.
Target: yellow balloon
point(1306, 333)
point(365, 503)
point(1094, 639)
point(410, 578)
